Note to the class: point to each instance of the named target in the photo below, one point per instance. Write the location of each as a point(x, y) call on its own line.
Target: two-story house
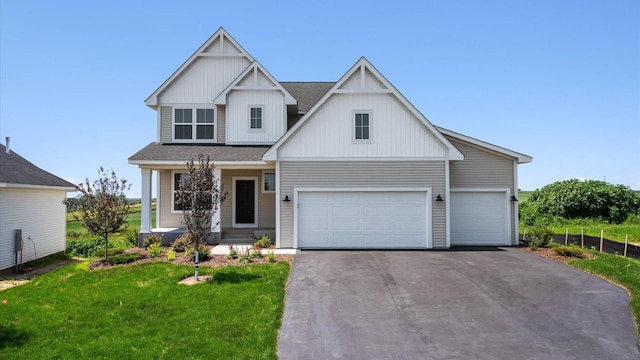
point(345, 164)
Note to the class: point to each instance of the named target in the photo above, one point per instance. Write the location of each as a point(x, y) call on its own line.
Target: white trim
point(507, 204)
point(262, 190)
point(256, 180)
point(447, 206)
point(145, 200)
point(427, 190)
point(368, 140)
point(522, 158)
point(278, 200)
point(221, 33)
point(403, 158)
point(30, 186)
point(361, 65)
point(516, 212)
point(158, 201)
point(261, 129)
point(194, 123)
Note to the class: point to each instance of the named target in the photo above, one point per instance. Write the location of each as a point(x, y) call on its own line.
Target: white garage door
point(479, 218)
point(362, 219)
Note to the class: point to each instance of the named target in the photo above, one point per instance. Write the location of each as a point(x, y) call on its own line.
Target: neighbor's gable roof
point(307, 93)
point(16, 171)
point(251, 79)
point(522, 158)
point(361, 68)
point(223, 36)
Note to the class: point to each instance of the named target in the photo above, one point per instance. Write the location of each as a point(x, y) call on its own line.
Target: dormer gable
point(255, 77)
point(331, 127)
point(218, 61)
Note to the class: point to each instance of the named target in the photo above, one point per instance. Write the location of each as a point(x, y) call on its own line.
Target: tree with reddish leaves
point(102, 207)
point(200, 197)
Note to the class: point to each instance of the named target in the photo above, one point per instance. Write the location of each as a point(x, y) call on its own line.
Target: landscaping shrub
point(151, 239)
point(203, 253)
point(569, 250)
point(171, 255)
point(264, 242)
point(112, 251)
point(155, 250)
point(255, 254)
point(233, 253)
point(84, 248)
point(123, 258)
point(271, 256)
point(539, 237)
point(183, 242)
point(131, 236)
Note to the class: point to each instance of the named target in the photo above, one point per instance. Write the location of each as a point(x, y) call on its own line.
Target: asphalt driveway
point(502, 304)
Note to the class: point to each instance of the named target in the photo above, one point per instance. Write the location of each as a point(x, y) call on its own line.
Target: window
point(362, 126)
point(255, 117)
point(178, 179)
point(268, 182)
point(183, 124)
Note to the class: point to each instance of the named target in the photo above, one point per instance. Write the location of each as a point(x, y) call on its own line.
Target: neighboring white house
point(31, 200)
point(346, 164)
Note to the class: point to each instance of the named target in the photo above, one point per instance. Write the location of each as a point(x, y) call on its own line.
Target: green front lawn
point(141, 312)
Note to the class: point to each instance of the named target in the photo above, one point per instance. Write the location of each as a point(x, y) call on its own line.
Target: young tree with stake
point(200, 197)
point(103, 206)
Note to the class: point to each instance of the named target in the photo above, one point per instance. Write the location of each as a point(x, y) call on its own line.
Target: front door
point(244, 202)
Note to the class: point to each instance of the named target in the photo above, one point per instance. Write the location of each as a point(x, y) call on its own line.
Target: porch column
point(145, 210)
point(215, 218)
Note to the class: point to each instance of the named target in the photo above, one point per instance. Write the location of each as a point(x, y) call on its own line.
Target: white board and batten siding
point(274, 117)
point(386, 177)
point(481, 187)
point(395, 131)
point(41, 215)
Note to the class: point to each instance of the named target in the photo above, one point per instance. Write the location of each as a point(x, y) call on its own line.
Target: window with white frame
point(194, 124)
point(256, 114)
point(180, 179)
point(362, 126)
point(268, 182)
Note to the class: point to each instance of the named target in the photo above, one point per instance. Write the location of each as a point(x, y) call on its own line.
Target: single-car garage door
point(362, 219)
point(479, 218)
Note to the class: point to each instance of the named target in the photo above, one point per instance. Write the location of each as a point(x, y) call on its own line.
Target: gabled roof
point(16, 171)
point(361, 78)
point(252, 78)
point(522, 158)
point(307, 93)
point(220, 38)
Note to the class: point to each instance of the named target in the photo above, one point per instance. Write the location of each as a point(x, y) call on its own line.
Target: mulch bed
point(550, 254)
point(182, 259)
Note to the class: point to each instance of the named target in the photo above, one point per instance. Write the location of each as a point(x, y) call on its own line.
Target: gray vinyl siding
point(221, 112)
point(295, 174)
point(166, 119)
point(266, 201)
point(483, 169)
point(167, 218)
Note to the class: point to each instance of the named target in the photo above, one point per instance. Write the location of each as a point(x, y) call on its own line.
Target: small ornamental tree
point(199, 196)
point(102, 207)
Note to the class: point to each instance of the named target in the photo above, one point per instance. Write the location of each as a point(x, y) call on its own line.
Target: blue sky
point(557, 80)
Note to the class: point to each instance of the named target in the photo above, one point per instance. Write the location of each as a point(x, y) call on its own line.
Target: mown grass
point(75, 230)
point(621, 270)
point(615, 232)
point(141, 312)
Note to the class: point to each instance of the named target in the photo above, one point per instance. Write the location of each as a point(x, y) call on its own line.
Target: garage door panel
point(479, 218)
point(362, 219)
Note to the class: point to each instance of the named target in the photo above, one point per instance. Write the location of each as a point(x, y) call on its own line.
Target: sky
point(556, 80)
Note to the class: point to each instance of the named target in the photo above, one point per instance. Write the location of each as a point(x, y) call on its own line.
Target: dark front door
point(245, 201)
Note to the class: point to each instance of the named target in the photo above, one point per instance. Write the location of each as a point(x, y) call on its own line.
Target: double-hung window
point(362, 126)
point(194, 124)
point(181, 179)
point(268, 181)
point(256, 114)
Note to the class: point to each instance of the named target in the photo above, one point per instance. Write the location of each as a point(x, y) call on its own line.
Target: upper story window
point(256, 114)
point(194, 124)
point(362, 126)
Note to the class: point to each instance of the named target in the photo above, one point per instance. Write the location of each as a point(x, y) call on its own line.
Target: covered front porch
point(248, 210)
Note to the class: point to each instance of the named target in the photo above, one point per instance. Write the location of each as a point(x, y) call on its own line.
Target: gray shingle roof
point(181, 152)
point(14, 169)
point(307, 93)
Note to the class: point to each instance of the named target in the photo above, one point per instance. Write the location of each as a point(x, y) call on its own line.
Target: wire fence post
point(582, 236)
point(626, 243)
point(566, 236)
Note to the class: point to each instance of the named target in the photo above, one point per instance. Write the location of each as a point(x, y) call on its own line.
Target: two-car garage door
point(362, 219)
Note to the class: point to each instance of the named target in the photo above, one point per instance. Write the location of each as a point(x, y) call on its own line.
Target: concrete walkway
point(224, 249)
point(502, 304)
